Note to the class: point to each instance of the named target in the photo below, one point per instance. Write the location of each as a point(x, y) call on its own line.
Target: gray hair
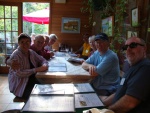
point(53, 36)
point(92, 37)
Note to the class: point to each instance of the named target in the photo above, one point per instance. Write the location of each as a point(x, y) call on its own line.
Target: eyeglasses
point(132, 45)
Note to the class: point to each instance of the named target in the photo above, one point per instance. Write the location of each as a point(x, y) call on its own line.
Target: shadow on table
point(12, 111)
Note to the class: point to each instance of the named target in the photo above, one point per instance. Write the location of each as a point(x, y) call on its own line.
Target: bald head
point(135, 50)
point(136, 39)
point(39, 42)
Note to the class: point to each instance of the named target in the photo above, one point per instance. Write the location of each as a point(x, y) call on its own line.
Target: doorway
point(35, 17)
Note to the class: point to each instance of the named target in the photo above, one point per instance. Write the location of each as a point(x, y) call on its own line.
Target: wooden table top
point(74, 74)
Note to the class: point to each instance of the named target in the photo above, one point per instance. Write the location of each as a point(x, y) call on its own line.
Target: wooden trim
point(4, 70)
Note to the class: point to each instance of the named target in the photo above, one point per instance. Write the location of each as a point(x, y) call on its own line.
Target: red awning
point(39, 17)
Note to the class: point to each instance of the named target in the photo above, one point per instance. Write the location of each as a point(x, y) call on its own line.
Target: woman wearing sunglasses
point(132, 96)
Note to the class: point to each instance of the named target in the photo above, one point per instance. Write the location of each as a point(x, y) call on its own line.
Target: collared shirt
point(42, 52)
point(19, 78)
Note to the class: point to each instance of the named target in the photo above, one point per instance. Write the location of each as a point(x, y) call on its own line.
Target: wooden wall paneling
point(143, 11)
point(148, 33)
point(70, 9)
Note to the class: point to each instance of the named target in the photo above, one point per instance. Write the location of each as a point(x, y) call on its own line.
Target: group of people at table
point(126, 94)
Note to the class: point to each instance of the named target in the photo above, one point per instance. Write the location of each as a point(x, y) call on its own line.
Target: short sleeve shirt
point(86, 49)
point(136, 83)
point(107, 66)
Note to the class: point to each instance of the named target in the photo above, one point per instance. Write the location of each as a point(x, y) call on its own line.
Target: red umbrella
point(39, 17)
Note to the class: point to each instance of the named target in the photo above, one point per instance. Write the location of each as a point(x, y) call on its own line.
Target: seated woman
point(52, 39)
point(85, 49)
point(92, 44)
point(24, 63)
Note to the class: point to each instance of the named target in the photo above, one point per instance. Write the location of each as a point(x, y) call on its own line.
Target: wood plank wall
point(58, 10)
point(70, 9)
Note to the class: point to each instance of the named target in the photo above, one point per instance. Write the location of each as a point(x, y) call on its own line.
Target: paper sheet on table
point(57, 69)
point(57, 64)
point(53, 89)
point(83, 87)
point(49, 104)
point(87, 100)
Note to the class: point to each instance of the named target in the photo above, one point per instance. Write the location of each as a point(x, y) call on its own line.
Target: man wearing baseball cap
point(104, 65)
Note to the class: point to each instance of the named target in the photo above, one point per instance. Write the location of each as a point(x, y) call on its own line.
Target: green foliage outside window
point(29, 7)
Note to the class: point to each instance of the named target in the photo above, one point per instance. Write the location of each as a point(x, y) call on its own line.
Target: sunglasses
point(132, 45)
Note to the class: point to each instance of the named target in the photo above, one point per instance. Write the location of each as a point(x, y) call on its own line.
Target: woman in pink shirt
point(24, 63)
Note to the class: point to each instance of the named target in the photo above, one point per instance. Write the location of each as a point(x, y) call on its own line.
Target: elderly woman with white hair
point(52, 39)
point(92, 44)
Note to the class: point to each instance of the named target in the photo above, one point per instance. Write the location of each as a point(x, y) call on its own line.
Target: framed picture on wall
point(70, 25)
point(135, 17)
point(108, 25)
point(131, 33)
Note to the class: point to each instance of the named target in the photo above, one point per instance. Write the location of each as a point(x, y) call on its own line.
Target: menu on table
point(57, 67)
point(68, 98)
point(45, 89)
point(87, 100)
point(82, 88)
point(40, 103)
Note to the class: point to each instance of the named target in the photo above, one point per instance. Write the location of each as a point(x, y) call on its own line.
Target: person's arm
point(41, 68)
point(91, 68)
point(51, 54)
point(108, 100)
point(86, 66)
point(124, 104)
point(13, 63)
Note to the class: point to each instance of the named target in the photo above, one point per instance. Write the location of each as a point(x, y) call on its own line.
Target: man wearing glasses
point(103, 64)
point(133, 94)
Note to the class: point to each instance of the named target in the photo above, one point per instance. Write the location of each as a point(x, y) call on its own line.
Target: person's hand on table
point(42, 68)
point(54, 50)
point(51, 54)
point(78, 55)
point(82, 61)
point(92, 70)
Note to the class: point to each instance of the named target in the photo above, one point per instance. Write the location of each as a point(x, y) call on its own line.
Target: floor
point(6, 98)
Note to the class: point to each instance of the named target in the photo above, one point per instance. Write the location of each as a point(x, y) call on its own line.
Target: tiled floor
point(6, 98)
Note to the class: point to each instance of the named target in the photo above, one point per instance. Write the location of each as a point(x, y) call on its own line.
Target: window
point(8, 31)
point(36, 17)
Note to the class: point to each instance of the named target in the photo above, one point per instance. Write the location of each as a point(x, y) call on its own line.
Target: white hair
point(92, 37)
point(53, 36)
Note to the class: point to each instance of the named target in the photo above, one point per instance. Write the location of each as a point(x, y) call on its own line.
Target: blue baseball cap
point(101, 36)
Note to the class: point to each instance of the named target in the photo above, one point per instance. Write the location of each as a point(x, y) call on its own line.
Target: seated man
point(85, 50)
point(133, 94)
point(103, 64)
point(38, 45)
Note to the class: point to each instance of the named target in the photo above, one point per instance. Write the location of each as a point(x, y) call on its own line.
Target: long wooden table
point(74, 74)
